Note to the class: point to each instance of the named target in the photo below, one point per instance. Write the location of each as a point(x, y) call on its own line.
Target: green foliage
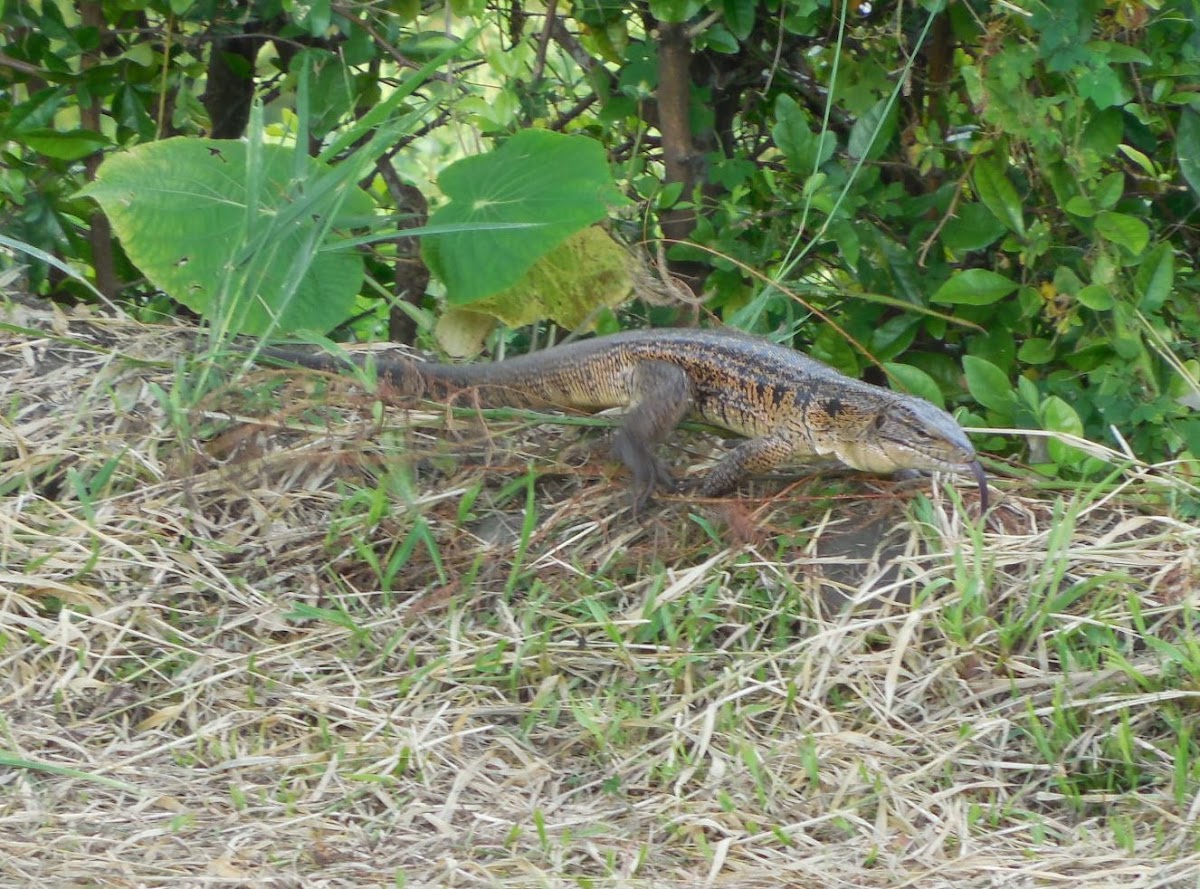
point(206, 228)
point(973, 287)
point(996, 203)
point(546, 185)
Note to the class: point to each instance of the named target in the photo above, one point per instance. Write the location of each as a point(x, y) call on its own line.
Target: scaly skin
point(787, 405)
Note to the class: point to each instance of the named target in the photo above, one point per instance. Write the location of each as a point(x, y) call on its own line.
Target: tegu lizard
point(787, 405)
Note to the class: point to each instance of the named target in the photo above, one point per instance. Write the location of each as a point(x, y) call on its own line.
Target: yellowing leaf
point(545, 186)
point(588, 271)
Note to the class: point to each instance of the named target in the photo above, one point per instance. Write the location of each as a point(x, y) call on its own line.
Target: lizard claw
point(652, 476)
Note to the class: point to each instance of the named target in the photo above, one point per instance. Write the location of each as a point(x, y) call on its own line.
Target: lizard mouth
point(976, 469)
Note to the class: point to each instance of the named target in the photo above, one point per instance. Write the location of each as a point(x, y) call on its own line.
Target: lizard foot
point(650, 476)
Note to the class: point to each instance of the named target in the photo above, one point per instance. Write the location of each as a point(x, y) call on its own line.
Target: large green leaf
point(181, 210)
point(552, 184)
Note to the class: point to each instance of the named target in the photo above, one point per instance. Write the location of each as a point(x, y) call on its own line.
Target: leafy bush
point(996, 205)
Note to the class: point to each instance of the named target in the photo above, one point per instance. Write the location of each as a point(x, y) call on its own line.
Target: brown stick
point(100, 233)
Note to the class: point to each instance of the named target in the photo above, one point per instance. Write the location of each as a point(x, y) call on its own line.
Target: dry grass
point(251, 645)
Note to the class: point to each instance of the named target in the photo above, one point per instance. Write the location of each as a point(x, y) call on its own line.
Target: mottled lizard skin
point(788, 406)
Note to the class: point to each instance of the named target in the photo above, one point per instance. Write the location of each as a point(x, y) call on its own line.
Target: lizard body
point(787, 405)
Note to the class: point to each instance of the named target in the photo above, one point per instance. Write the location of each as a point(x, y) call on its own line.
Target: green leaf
point(1080, 205)
point(1058, 416)
point(1119, 53)
point(181, 209)
point(973, 228)
point(891, 337)
point(426, 45)
point(989, 385)
point(872, 132)
point(719, 39)
point(598, 13)
point(1123, 230)
point(805, 150)
point(974, 287)
point(1140, 159)
point(69, 145)
point(317, 18)
point(1155, 278)
point(973, 81)
point(1103, 133)
point(739, 16)
point(140, 54)
point(1036, 351)
point(831, 347)
point(1187, 148)
point(906, 280)
point(1103, 86)
point(849, 244)
point(1028, 394)
point(330, 85)
point(1109, 190)
point(997, 345)
point(675, 11)
point(915, 381)
point(1191, 434)
point(1096, 297)
point(668, 194)
point(556, 185)
point(998, 194)
point(1061, 29)
point(1066, 281)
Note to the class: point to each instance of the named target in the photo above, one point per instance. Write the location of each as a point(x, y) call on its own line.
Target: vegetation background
point(303, 657)
point(1003, 189)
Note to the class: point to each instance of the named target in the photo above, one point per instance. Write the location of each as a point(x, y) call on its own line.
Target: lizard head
point(906, 432)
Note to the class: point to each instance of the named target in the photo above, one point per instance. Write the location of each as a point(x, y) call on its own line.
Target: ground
point(258, 628)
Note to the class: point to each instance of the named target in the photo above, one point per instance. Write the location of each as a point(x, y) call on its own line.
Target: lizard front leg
point(660, 395)
point(756, 455)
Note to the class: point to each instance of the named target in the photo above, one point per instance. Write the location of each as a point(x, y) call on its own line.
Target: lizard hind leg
point(660, 396)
